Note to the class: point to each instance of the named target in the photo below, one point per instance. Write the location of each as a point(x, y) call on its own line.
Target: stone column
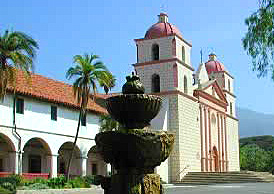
point(226, 158)
point(84, 165)
point(54, 165)
point(222, 135)
point(209, 139)
point(219, 143)
point(202, 139)
point(18, 162)
point(206, 144)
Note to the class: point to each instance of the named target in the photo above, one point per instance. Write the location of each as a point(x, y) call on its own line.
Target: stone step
point(214, 182)
point(224, 177)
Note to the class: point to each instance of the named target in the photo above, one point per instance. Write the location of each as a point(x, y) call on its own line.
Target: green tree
point(17, 51)
point(254, 158)
point(89, 72)
point(259, 39)
point(107, 123)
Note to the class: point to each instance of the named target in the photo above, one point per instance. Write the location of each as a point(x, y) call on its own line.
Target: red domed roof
point(162, 28)
point(213, 65)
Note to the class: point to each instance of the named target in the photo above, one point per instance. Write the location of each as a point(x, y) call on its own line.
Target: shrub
point(13, 179)
point(93, 179)
point(5, 191)
point(35, 186)
point(57, 182)
point(9, 186)
point(79, 182)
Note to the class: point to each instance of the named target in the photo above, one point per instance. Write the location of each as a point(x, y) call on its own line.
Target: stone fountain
point(134, 150)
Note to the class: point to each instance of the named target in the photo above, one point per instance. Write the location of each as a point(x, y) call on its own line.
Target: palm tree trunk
point(74, 145)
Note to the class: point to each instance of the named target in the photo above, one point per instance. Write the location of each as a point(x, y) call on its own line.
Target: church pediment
point(211, 90)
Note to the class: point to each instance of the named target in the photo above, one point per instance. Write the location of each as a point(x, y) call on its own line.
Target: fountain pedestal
point(134, 151)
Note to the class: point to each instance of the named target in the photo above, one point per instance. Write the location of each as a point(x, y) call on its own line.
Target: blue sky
point(64, 28)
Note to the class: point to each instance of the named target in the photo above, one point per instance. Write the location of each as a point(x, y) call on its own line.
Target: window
point(84, 120)
point(231, 108)
point(20, 105)
point(229, 85)
point(185, 85)
point(155, 52)
point(54, 113)
point(94, 169)
point(183, 54)
point(155, 83)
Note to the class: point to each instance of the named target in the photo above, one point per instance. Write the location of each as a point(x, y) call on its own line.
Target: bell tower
point(163, 59)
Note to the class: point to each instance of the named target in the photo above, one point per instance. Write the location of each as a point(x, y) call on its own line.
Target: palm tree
point(17, 51)
point(108, 86)
point(89, 73)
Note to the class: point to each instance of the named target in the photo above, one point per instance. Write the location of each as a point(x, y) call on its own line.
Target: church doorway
point(215, 160)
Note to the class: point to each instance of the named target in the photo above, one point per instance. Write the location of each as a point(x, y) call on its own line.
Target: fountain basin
point(137, 150)
point(134, 111)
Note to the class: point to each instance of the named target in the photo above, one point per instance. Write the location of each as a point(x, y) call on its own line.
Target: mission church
point(198, 107)
point(38, 123)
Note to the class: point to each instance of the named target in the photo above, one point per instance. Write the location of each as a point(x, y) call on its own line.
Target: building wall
point(36, 123)
point(233, 144)
point(164, 70)
point(145, 49)
point(189, 134)
point(179, 45)
point(185, 72)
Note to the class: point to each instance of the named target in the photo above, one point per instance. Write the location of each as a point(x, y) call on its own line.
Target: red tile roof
point(51, 90)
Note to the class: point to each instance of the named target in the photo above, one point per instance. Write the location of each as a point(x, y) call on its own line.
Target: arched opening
point(215, 159)
point(63, 158)
point(155, 85)
point(183, 54)
point(96, 164)
point(174, 47)
point(7, 156)
point(155, 52)
point(36, 159)
point(185, 85)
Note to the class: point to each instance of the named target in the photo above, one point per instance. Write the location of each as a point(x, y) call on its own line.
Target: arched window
point(183, 54)
point(185, 84)
point(231, 108)
point(229, 85)
point(155, 52)
point(155, 83)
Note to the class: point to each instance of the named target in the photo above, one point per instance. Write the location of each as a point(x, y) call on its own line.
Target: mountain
point(252, 123)
point(266, 142)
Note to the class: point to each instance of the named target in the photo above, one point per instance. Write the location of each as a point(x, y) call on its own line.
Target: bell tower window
point(155, 85)
point(183, 54)
point(231, 109)
point(155, 52)
point(185, 85)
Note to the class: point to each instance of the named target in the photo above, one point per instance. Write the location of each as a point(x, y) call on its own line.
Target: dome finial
point(212, 56)
point(163, 18)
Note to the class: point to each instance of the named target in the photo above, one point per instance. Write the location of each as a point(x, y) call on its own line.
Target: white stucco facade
point(41, 139)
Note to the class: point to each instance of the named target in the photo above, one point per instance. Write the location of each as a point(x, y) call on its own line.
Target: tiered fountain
point(134, 150)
